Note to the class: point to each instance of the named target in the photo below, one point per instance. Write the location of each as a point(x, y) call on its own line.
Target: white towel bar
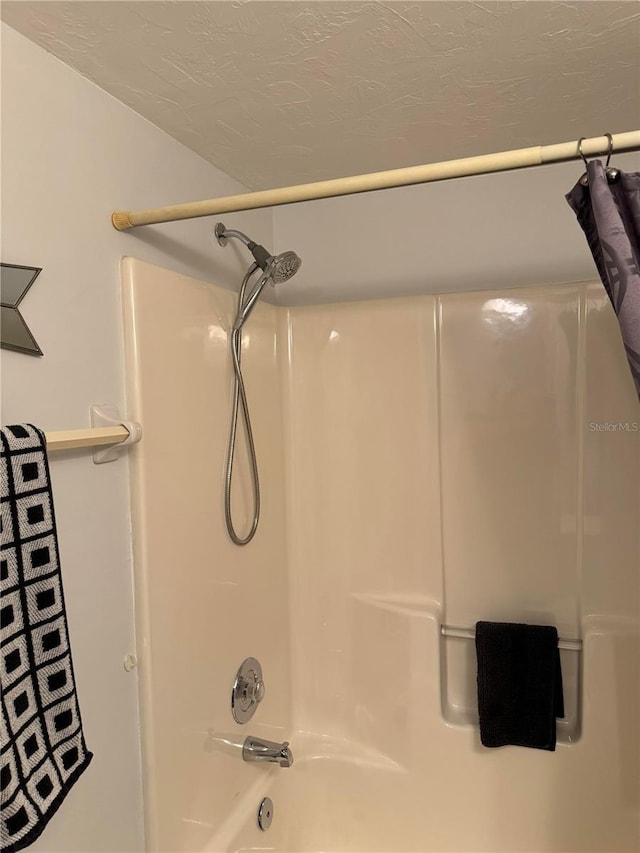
point(470, 634)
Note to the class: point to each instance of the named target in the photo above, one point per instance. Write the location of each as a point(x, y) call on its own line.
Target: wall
point(203, 604)
point(446, 466)
point(70, 155)
point(500, 231)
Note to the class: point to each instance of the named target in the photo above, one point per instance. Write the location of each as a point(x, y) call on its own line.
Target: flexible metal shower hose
point(240, 401)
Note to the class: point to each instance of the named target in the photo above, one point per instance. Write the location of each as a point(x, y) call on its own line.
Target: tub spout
point(255, 749)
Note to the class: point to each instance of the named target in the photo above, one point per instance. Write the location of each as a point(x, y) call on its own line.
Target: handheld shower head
point(274, 269)
point(279, 268)
point(283, 267)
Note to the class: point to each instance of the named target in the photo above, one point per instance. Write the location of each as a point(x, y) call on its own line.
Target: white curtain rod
point(486, 163)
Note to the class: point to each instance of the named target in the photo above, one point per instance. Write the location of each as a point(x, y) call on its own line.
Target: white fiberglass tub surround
point(424, 461)
point(450, 794)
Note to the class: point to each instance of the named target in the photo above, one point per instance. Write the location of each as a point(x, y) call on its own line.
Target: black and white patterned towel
point(42, 747)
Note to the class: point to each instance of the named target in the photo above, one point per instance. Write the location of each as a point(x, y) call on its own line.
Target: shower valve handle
point(257, 691)
point(252, 689)
point(248, 690)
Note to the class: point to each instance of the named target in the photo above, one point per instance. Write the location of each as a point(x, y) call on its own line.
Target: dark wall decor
point(15, 281)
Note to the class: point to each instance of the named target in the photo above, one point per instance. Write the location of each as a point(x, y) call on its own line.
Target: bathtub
point(334, 798)
point(451, 794)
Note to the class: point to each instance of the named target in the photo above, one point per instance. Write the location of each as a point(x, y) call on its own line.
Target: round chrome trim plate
point(265, 814)
point(248, 690)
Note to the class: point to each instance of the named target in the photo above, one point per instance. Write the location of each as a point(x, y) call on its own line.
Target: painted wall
point(70, 154)
point(486, 232)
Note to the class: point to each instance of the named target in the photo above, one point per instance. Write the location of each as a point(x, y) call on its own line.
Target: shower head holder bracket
point(219, 233)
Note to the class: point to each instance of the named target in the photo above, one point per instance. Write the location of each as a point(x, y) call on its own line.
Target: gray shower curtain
point(609, 214)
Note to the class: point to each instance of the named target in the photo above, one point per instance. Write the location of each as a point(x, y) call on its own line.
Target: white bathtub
point(454, 795)
point(334, 798)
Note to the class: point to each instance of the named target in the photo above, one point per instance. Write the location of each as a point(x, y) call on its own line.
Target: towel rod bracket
point(107, 416)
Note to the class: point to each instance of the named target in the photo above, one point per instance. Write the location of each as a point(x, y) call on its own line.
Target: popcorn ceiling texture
point(277, 93)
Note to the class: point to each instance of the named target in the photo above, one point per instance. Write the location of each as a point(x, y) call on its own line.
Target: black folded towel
point(519, 684)
point(43, 751)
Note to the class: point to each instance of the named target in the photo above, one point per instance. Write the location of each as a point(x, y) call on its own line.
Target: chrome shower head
point(279, 268)
point(283, 267)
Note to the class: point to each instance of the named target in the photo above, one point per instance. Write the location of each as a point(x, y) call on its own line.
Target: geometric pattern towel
point(43, 751)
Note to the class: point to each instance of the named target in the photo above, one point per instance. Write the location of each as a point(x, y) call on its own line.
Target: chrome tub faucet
point(255, 749)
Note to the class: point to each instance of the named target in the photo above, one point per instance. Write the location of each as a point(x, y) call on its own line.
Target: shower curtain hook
point(609, 150)
point(580, 151)
point(584, 180)
point(611, 173)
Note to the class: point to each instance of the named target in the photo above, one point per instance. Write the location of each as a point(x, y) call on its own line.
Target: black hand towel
point(43, 751)
point(519, 684)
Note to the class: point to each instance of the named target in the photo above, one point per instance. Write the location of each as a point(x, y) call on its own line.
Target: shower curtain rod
point(503, 161)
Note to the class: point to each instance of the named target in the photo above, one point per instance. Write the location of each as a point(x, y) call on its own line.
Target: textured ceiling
point(279, 93)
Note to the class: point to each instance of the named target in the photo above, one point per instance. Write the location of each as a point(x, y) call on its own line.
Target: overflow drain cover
point(265, 814)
